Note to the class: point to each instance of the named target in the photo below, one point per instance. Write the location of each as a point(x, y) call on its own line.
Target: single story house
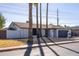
point(20, 30)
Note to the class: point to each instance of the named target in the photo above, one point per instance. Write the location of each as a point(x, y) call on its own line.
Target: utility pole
point(57, 17)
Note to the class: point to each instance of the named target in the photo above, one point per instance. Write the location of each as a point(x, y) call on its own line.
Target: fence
point(2, 34)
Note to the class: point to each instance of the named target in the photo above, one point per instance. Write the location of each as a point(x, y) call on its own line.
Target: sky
point(18, 12)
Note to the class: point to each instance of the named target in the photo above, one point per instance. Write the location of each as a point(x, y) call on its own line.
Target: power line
point(20, 6)
point(22, 14)
point(50, 14)
point(13, 5)
point(66, 12)
point(16, 13)
point(12, 8)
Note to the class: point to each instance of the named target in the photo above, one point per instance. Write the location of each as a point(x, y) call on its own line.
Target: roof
point(75, 27)
point(26, 25)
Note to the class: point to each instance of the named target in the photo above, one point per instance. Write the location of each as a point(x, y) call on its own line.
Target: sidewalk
point(36, 45)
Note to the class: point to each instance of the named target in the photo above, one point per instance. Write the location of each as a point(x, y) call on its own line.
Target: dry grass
point(10, 43)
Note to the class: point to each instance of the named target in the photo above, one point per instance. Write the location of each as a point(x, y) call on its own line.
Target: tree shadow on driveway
point(63, 46)
point(50, 47)
point(40, 47)
point(28, 49)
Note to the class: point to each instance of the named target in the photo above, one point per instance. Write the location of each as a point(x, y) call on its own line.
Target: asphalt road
point(71, 49)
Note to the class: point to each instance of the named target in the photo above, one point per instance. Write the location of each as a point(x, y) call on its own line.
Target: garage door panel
point(62, 33)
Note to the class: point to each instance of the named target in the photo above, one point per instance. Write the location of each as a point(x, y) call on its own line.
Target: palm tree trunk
point(37, 20)
point(30, 21)
point(47, 20)
point(40, 21)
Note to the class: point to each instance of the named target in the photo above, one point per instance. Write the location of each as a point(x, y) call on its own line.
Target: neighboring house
point(20, 30)
point(75, 30)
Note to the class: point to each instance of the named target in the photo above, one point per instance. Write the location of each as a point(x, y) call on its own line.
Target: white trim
point(57, 33)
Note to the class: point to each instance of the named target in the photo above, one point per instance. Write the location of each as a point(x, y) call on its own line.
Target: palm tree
point(30, 22)
point(37, 20)
point(40, 21)
point(36, 5)
point(47, 20)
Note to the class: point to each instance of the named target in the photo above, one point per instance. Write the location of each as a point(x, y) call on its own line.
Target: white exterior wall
point(13, 34)
point(24, 33)
point(69, 33)
point(21, 33)
point(43, 32)
point(57, 33)
point(51, 34)
point(54, 33)
point(18, 33)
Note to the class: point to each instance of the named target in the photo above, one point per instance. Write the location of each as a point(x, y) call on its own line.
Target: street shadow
point(40, 47)
point(28, 49)
point(63, 46)
point(50, 47)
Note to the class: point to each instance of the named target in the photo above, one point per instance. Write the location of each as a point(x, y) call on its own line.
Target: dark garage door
point(62, 33)
point(2, 34)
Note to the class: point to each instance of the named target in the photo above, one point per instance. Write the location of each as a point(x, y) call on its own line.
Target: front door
point(34, 32)
point(46, 32)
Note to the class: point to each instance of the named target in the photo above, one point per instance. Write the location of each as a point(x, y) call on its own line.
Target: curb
point(35, 45)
